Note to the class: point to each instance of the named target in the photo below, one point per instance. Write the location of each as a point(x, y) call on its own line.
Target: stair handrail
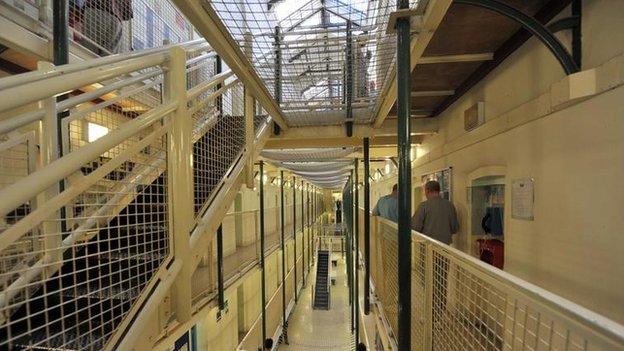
point(34, 76)
point(329, 269)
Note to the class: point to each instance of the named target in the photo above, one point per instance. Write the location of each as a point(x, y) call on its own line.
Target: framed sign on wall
point(522, 198)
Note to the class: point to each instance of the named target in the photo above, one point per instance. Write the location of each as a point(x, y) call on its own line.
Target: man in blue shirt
point(387, 206)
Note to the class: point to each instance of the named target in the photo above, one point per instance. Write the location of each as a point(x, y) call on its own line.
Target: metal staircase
point(84, 261)
point(322, 286)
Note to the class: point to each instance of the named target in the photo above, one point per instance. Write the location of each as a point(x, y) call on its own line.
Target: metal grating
point(316, 57)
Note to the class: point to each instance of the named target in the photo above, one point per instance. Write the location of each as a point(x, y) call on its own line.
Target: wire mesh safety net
point(318, 58)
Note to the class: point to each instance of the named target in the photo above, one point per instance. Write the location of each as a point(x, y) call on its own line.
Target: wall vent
point(474, 116)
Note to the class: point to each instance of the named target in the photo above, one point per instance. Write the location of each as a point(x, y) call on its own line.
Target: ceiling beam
point(383, 140)
point(456, 58)
point(207, 22)
point(543, 15)
point(433, 15)
point(334, 136)
point(432, 93)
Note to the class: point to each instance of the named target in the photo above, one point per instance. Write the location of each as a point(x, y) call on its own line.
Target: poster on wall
point(443, 177)
point(522, 199)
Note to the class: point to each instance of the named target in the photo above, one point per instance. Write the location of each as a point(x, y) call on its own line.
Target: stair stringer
point(155, 307)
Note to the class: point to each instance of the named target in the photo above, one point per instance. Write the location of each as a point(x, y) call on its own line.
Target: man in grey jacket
point(436, 217)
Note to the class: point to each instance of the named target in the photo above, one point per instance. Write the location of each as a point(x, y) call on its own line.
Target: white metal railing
point(88, 235)
point(145, 24)
point(459, 302)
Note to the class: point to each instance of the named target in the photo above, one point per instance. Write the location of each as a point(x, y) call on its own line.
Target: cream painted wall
point(248, 293)
point(576, 155)
point(222, 334)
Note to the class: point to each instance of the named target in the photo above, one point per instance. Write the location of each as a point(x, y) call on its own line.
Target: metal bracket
point(531, 25)
point(565, 23)
point(402, 13)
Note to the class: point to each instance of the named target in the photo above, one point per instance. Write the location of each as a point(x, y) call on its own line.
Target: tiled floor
point(319, 329)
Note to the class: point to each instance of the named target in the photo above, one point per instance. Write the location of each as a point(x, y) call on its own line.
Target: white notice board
point(522, 198)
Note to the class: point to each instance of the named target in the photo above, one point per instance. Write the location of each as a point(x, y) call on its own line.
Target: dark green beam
point(405, 174)
point(263, 292)
point(366, 227)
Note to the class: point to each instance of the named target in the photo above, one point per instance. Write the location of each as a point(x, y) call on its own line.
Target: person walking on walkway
point(436, 217)
point(388, 206)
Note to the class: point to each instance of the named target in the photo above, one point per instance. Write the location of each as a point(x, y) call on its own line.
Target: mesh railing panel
point(92, 264)
point(18, 157)
point(109, 27)
point(74, 265)
point(466, 305)
point(216, 151)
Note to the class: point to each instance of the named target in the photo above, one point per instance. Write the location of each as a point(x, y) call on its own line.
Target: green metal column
point(60, 56)
point(278, 74)
point(263, 292)
point(308, 222)
point(294, 182)
point(220, 287)
point(405, 174)
point(348, 209)
point(366, 227)
point(303, 273)
point(60, 32)
point(283, 249)
point(356, 234)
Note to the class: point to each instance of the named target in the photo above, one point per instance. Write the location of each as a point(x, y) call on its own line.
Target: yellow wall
point(221, 334)
point(576, 156)
point(245, 300)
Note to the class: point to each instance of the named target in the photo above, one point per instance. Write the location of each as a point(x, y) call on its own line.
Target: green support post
point(294, 182)
point(366, 227)
point(262, 271)
point(356, 251)
point(405, 174)
point(303, 273)
point(283, 250)
point(220, 287)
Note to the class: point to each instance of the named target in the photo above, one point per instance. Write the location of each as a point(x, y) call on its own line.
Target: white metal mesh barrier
point(460, 303)
point(83, 238)
point(316, 56)
point(215, 152)
point(389, 268)
point(77, 255)
point(18, 157)
point(107, 27)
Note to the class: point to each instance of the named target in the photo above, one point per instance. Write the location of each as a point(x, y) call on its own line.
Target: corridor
point(169, 169)
point(310, 329)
